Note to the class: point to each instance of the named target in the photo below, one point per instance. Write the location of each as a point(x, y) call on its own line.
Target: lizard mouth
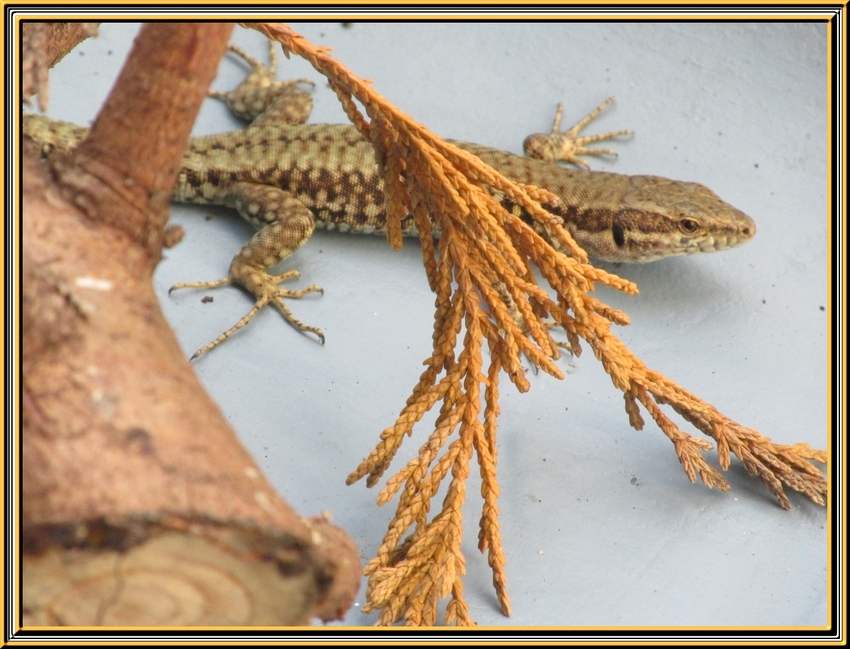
point(740, 229)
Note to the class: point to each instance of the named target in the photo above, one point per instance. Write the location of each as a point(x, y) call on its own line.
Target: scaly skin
point(332, 171)
point(287, 178)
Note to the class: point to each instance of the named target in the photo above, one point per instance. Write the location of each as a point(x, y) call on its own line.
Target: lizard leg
point(284, 223)
point(566, 146)
point(563, 344)
point(519, 320)
point(261, 100)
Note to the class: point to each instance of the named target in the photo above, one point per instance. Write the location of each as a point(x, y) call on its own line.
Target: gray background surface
point(600, 524)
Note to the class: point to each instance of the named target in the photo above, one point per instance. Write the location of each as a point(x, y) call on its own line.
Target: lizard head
point(655, 218)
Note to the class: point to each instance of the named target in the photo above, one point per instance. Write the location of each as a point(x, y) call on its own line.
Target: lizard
point(287, 178)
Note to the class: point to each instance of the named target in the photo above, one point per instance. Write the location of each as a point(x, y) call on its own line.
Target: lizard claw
point(265, 288)
point(566, 146)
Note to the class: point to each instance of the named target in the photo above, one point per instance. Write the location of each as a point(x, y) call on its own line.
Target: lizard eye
point(689, 226)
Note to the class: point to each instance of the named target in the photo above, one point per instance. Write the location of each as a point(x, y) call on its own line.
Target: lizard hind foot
point(266, 290)
point(566, 146)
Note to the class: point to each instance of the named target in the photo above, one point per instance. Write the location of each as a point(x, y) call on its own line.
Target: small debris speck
point(206, 299)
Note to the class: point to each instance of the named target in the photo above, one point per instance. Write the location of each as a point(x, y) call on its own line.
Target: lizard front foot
point(566, 146)
point(262, 100)
point(265, 288)
point(284, 223)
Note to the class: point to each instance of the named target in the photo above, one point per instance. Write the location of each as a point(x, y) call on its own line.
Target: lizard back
point(333, 171)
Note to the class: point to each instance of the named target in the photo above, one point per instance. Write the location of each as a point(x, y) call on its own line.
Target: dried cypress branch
point(480, 271)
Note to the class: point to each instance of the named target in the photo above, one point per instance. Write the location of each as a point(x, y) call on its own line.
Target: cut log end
point(189, 574)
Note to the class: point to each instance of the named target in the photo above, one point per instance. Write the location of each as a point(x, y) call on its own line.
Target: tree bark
point(140, 506)
point(44, 45)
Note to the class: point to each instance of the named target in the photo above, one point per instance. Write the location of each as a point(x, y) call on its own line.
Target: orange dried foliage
point(480, 270)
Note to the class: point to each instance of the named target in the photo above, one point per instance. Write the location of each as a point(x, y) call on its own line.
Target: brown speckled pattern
point(331, 170)
point(288, 179)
